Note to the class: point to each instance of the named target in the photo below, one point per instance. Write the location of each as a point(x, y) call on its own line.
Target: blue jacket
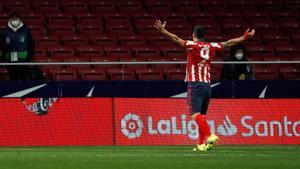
point(17, 46)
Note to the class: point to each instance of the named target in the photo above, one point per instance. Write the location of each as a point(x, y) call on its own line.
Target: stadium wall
point(144, 121)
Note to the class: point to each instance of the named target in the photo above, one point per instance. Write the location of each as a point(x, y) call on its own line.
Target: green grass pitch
point(150, 157)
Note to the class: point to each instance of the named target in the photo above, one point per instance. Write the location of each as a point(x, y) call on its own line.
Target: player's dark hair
point(14, 14)
point(199, 32)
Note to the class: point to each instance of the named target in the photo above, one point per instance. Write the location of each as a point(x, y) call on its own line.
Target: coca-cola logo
point(39, 106)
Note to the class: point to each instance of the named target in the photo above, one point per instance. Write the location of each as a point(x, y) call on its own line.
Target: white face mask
point(15, 23)
point(239, 56)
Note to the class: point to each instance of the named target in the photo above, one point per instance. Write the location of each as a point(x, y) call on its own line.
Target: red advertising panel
point(56, 121)
point(235, 121)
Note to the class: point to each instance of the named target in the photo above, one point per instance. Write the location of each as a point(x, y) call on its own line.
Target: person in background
point(237, 71)
point(17, 46)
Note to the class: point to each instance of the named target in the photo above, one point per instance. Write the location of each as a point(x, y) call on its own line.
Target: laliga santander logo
point(131, 126)
point(227, 128)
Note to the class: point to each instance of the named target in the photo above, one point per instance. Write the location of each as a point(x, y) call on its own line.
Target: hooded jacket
point(17, 44)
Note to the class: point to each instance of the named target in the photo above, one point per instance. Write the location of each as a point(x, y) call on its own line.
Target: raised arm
point(161, 28)
point(231, 42)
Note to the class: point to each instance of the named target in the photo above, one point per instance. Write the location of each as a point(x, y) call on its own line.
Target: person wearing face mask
point(17, 46)
point(236, 71)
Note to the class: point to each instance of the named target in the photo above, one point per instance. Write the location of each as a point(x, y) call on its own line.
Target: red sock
point(201, 136)
point(203, 126)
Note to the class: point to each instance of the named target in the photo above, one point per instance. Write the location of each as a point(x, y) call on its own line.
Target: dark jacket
point(17, 46)
point(233, 71)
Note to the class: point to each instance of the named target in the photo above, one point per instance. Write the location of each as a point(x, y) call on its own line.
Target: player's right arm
point(247, 35)
point(161, 28)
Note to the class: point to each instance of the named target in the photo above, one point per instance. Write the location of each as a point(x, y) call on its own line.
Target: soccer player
point(200, 54)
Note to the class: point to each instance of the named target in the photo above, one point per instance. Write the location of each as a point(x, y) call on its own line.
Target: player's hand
point(249, 33)
point(159, 25)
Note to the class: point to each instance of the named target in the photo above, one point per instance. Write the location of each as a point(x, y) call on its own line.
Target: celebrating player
point(200, 55)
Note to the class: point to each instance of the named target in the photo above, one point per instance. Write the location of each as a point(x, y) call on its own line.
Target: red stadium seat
point(121, 74)
point(242, 5)
point(105, 40)
point(76, 59)
point(266, 73)
point(64, 74)
point(130, 5)
point(292, 5)
point(90, 51)
point(236, 17)
point(261, 50)
point(234, 28)
point(270, 5)
point(186, 5)
point(214, 5)
point(47, 6)
point(286, 16)
point(105, 59)
point(291, 27)
point(146, 51)
point(61, 30)
point(61, 51)
point(295, 38)
point(288, 51)
point(90, 29)
point(40, 51)
point(160, 59)
point(266, 27)
point(291, 73)
point(200, 17)
point(47, 40)
point(276, 39)
point(140, 17)
point(132, 40)
point(159, 5)
point(150, 74)
point(131, 59)
point(36, 30)
point(34, 18)
point(173, 52)
point(60, 19)
point(75, 6)
point(117, 51)
point(3, 74)
point(116, 18)
point(18, 6)
point(175, 73)
point(102, 6)
point(88, 19)
point(75, 40)
point(254, 17)
point(146, 29)
point(122, 27)
point(159, 40)
point(92, 74)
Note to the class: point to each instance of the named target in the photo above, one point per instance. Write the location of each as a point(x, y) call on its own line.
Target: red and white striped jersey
point(200, 55)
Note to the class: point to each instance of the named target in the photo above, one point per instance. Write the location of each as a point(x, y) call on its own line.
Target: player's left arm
point(231, 42)
point(161, 28)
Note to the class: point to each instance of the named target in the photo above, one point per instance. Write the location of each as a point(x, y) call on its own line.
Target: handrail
point(143, 63)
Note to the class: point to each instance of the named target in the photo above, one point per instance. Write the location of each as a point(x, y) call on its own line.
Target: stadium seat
point(291, 27)
point(266, 27)
point(105, 40)
point(64, 74)
point(75, 40)
point(47, 6)
point(76, 59)
point(88, 19)
point(254, 17)
point(61, 51)
point(200, 17)
point(19, 6)
point(92, 74)
point(150, 74)
point(173, 52)
point(159, 5)
point(102, 6)
point(295, 39)
point(159, 40)
point(75, 6)
point(130, 5)
point(105, 59)
point(270, 5)
point(61, 30)
point(128, 40)
point(40, 51)
point(175, 73)
point(34, 18)
point(233, 17)
point(91, 30)
point(160, 59)
point(121, 27)
point(292, 5)
point(145, 51)
point(186, 5)
point(291, 73)
point(134, 66)
point(121, 74)
point(261, 73)
point(117, 51)
point(261, 50)
point(47, 40)
point(276, 39)
point(90, 51)
point(285, 16)
point(36, 30)
point(234, 28)
point(3, 74)
point(214, 5)
point(288, 51)
point(242, 5)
